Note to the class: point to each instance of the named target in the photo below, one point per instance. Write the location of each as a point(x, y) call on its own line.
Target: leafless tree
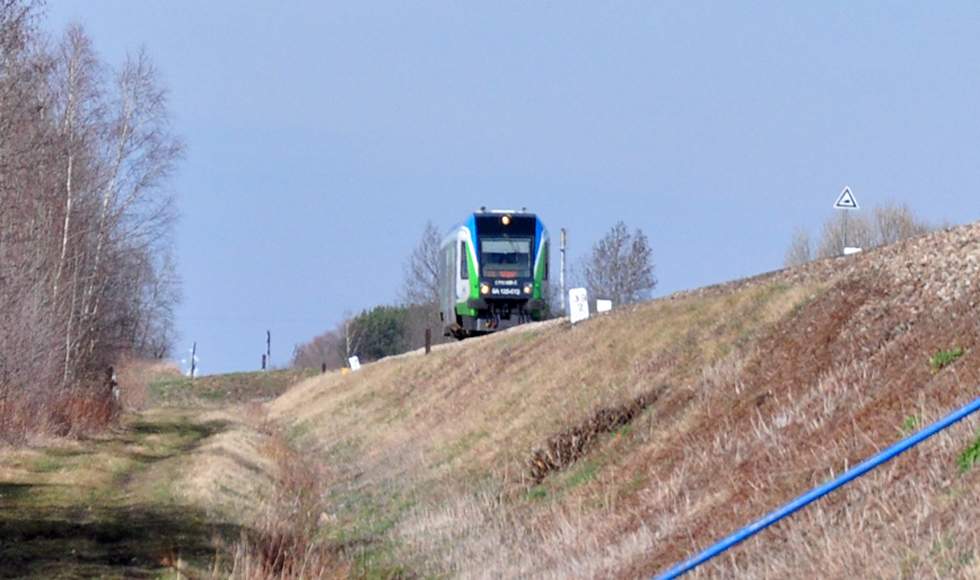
point(29, 215)
point(350, 337)
point(131, 214)
point(421, 285)
point(892, 223)
point(85, 221)
point(418, 319)
point(799, 251)
point(420, 290)
point(619, 267)
point(324, 349)
point(852, 228)
point(78, 102)
point(889, 223)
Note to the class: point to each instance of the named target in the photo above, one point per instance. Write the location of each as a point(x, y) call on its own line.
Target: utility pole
point(194, 359)
point(268, 347)
point(561, 272)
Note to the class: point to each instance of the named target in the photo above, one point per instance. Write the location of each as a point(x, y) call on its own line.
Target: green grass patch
point(584, 472)
point(536, 493)
point(47, 464)
point(911, 424)
point(944, 358)
point(227, 388)
point(970, 456)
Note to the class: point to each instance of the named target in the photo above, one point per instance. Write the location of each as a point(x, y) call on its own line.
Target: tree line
point(86, 218)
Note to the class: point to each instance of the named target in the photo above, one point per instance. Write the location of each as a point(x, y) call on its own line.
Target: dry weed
point(134, 376)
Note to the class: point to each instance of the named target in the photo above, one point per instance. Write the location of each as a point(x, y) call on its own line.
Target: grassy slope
point(763, 388)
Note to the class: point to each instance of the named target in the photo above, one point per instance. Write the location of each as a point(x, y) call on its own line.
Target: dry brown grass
point(134, 376)
point(284, 543)
point(81, 408)
point(776, 384)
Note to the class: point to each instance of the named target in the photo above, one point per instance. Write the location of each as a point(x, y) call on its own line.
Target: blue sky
point(323, 135)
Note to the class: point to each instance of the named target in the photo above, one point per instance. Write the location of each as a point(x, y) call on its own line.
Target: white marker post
point(847, 202)
point(578, 304)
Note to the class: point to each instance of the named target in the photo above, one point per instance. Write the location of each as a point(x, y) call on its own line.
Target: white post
point(578, 304)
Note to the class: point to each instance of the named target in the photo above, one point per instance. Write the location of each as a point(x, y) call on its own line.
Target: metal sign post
point(268, 346)
point(847, 202)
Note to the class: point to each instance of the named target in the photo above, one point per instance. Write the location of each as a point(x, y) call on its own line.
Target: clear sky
point(323, 135)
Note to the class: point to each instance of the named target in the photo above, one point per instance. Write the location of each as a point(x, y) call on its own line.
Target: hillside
point(612, 449)
point(620, 446)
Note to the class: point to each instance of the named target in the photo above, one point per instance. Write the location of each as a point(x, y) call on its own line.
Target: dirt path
point(106, 507)
point(117, 505)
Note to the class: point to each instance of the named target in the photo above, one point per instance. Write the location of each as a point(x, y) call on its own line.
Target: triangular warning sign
point(846, 200)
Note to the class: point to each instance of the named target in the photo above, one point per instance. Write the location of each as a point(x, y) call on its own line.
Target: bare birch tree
point(134, 212)
point(619, 267)
point(421, 285)
point(420, 290)
point(799, 251)
point(85, 222)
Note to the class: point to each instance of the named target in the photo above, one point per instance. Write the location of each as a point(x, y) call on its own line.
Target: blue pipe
point(819, 492)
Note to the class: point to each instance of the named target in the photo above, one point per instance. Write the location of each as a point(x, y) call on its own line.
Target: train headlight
point(484, 289)
point(505, 220)
point(528, 288)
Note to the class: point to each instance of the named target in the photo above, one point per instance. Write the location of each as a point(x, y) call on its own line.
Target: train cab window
point(506, 257)
point(464, 271)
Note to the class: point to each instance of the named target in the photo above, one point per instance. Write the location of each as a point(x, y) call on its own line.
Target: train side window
point(464, 271)
point(546, 261)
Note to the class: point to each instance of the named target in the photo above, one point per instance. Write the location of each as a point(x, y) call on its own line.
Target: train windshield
point(506, 257)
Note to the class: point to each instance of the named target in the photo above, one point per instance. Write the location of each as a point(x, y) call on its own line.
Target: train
point(494, 273)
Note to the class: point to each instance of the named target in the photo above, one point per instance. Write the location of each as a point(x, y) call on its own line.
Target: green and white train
point(494, 272)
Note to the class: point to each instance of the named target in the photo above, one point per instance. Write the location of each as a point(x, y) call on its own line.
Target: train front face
point(511, 263)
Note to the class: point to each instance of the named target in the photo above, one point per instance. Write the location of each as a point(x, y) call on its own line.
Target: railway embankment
point(619, 446)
